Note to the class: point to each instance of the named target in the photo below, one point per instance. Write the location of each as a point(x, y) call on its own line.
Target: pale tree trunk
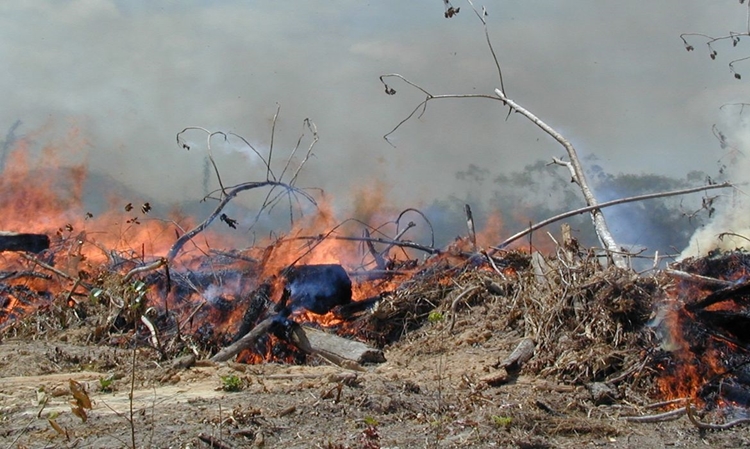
point(576, 171)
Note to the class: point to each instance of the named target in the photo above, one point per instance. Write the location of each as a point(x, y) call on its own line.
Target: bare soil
point(429, 393)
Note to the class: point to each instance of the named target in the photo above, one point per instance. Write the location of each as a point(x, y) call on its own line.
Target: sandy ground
point(429, 393)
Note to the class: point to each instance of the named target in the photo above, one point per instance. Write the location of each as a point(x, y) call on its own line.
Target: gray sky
point(115, 80)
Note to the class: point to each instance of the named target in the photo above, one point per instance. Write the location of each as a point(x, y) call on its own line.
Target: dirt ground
point(429, 393)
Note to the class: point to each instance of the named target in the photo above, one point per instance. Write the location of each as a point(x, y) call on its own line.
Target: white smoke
point(730, 227)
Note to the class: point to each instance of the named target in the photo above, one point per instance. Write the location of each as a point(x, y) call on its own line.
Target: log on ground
point(336, 349)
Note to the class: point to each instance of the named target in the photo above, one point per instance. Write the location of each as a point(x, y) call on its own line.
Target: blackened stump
point(317, 288)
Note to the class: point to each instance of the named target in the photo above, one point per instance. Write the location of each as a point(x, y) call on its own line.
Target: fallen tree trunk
point(33, 243)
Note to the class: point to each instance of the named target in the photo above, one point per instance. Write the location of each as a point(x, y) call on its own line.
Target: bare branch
point(600, 224)
point(210, 135)
point(583, 210)
point(423, 104)
point(710, 40)
point(273, 134)
point(489, 42)
point(228, 197)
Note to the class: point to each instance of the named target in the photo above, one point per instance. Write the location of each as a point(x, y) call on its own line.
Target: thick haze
point(125, 76)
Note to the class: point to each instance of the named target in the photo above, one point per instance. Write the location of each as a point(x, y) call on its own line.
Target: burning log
point(317, 288)
point(33, 243)
point(338, 350)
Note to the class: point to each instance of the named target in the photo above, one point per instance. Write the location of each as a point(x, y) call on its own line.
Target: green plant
point(231, 383)
point(435, 317)
point(105, 384)
point(370, 421)
point(501, 421)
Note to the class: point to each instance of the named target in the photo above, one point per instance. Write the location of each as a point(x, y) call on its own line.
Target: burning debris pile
point(703, 324)
point(586, 322)
point(564, 317)
point(320, 295)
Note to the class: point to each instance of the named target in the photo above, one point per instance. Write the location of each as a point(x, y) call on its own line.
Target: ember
point(706, 345)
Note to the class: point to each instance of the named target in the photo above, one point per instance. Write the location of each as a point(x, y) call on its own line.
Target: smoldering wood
point(245, 341)
point(259, 303)
point(33, 243)
point(317, 288)
point(721, 295)
point(470, 226)
point(338, 350)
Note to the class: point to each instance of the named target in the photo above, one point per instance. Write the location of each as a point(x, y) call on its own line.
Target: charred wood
point(317, 288)
point(721, 295)
point(33, 243)
point(245, 341)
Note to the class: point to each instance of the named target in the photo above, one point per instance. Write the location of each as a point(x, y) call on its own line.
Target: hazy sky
point(124, 76)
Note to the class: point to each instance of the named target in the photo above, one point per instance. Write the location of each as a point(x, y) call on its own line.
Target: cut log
point(338, 350)
point(33, 243)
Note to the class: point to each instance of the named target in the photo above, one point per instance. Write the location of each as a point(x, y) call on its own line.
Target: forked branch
point(579, 177)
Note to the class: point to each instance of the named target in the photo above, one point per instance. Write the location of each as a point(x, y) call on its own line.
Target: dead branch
point(710, 40)
point(213, 442)
point(659, 417)
point(48, 267)
point(228, 196)
point(143, 269)
point(470, 226)
point(245, 342)
point(154, 334)
point(379, 260)
point(8, 275)
point(701, 425)
point(489, 42)
point(423, 104)
point(582, 210)
point(697, 278)
point(732, 234)
point(210, 135)
point(402, 243)
point(579, 177)
point(665, 403)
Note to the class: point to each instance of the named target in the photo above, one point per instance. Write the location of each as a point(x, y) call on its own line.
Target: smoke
point(130, 75)
point(730, 227)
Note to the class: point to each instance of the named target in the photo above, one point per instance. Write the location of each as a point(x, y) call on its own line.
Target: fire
point(207, 291)
point(704, 351)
